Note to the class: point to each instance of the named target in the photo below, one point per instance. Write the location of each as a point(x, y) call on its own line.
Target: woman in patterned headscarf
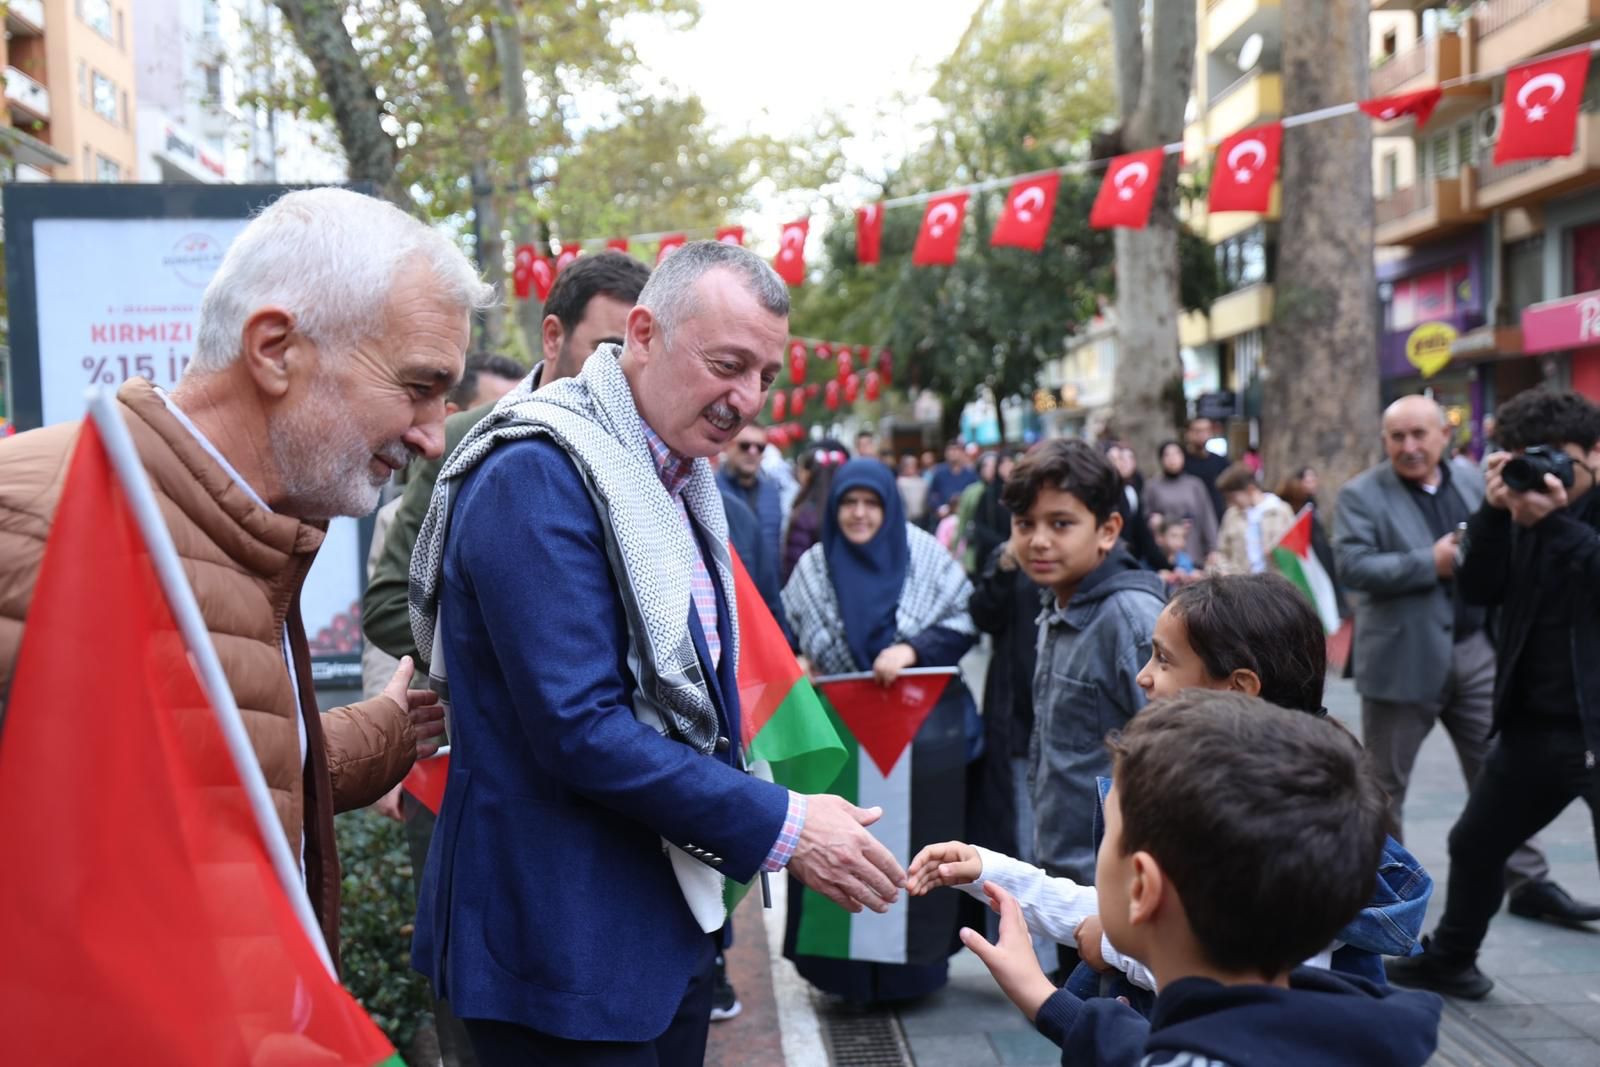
point(878, 595)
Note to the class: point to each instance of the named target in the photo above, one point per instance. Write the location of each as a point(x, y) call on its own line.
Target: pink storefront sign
point(1571, 322)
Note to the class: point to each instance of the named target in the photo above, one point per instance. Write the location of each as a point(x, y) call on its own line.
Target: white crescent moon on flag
point(1251, 147)
point(791, 237)
point(1549, 80)
point(1027, 202)
point(541, 270)
point(869, 213)
point(1138, 172)
point(940, 217)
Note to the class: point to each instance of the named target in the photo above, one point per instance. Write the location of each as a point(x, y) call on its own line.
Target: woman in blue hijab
point(878, 595)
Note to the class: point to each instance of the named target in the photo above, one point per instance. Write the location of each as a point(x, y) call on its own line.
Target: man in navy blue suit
point(574, 572)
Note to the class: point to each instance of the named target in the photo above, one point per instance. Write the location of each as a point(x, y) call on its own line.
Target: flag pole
point(186, 610)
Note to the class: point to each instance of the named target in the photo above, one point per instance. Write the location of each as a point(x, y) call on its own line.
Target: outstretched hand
point(838, 858)
point(421, 705)
point(1011, 959)
point(947, 863)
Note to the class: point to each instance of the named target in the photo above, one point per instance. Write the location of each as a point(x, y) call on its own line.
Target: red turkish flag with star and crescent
point(940, 232)
point(1127, 191)
point(1419, 104)
point(669, 244)
point(544, 276)
point(1246, 167)
point(618, 244)
point(731, 235)
point(790, 262)
point(1029, 207)
point(522, 272)
point(1540, 109)
point(569, 252)
point(869, 233)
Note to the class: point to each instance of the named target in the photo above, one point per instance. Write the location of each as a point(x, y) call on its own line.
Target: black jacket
point(1501, 567)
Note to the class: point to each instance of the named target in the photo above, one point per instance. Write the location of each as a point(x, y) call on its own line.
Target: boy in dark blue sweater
point(1239, 839)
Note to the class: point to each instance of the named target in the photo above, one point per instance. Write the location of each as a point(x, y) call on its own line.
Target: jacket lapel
point(1403, 511)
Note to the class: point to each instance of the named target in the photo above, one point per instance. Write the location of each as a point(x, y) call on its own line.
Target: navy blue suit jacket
point(548, 900)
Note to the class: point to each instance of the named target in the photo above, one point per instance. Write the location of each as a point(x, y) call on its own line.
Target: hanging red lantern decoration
point(777, 436)
point(812, 389)
point(886, 367)
point(797, 401)
point(823, 350)
point(796, 432)
point(873, 385)
point(830, 396)
point(846, 365)
point(852, 388)
point(780, 406)
point(797, 349)
point(797, 367)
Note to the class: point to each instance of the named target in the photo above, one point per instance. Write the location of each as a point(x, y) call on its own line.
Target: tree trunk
point(1154, 72)
point(319, 30)
point(508, 49)
point(490, 246)
point(1320, 394)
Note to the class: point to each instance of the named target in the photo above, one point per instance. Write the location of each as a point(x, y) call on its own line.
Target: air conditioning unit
point(1488, 128)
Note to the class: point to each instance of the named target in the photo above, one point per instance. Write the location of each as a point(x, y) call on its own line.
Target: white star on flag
point(1536, 112)
point(1243, 176)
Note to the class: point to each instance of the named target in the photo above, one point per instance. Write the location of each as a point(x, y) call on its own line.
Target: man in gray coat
point(1421, 655)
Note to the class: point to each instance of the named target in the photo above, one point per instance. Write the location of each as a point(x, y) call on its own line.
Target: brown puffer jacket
point(246, 565)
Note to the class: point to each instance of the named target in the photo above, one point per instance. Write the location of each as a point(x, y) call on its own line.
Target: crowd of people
point(1184, 855)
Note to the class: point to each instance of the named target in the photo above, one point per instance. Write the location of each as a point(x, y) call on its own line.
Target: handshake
point(838, 858)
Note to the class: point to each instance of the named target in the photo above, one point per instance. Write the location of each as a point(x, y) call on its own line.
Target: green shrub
point(377, 914)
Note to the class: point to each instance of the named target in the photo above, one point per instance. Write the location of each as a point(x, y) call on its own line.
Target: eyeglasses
point(750, 446)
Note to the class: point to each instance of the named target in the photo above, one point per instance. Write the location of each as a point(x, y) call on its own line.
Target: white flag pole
point(186, 610)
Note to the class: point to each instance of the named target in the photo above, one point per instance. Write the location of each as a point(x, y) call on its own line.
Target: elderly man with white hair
point(327, 343)
point(573, 571)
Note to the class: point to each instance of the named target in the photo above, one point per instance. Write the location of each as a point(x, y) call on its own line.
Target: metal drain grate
point(862, 1039)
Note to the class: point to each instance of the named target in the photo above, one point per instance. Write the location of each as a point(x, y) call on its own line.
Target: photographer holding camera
point(1533, 551)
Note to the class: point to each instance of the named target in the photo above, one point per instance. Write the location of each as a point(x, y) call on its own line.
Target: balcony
point(1241, 311)
point(1511, 30)
point(1530, 181)
point(1230, 19)
point(25, 18)
point(1428, 62)
point(1427, 210)
point(26, 95)
point(1253, 98)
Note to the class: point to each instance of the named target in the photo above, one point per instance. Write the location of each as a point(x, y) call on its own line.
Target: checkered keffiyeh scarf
point(651, 551)
point(935, 593)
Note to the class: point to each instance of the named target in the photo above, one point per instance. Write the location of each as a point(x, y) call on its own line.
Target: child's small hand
point(947, 863)
point(1011, 959)
point(1088, 936)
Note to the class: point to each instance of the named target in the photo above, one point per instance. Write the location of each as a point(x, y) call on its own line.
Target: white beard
point(323, 461)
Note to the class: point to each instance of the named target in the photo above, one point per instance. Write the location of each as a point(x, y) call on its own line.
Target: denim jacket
point(1389, 925)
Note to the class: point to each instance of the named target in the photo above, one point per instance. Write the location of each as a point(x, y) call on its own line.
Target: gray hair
point(329, 257)
point(669, 294)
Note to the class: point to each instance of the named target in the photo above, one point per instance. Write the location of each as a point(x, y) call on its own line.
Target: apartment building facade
point(69, 91)
point(1483, 270)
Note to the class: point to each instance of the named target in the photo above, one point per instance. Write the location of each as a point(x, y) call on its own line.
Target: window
point(106, 170)
point(1244, 259)
point(1466, 145)
point(97, 13)
point(105, 97)
point(1524, 263)
point(1442, 150)
point(83, 83)
point(1391, 173)
point(213, 84)
point(1391, 44)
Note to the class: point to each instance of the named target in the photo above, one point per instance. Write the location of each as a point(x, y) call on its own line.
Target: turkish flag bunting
point(147, 915)
point(731, 235)
point(869, 233)
point(1246, 166)
point(522, 273)
point(1127, 191)
point(1029, 207)
point(618, 244)
point(543, 273)
point(940, 232)
point(1419, 104)
point(1540, 112)
point(790, 262)
point(569, 252)
point(669, 244)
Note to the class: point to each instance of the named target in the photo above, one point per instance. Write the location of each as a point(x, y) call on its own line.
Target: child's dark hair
point(1269, 824)
point(1236, 478)
point(1074, 467)
point(1260, 623)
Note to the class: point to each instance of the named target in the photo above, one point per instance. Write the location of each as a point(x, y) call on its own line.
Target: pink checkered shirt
point(675, 471)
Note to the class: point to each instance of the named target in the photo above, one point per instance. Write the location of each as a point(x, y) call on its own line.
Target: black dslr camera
point(1525, 473)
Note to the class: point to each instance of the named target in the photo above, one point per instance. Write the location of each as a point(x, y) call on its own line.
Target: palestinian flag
point(788, 737)
point(141, 917)
point(907, 755)
point(1293, 558)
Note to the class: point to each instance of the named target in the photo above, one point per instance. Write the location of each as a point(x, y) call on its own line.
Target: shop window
point(1586, 258)
point(1431, 297)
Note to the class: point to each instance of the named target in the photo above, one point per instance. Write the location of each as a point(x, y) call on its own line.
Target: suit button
point(722, 744)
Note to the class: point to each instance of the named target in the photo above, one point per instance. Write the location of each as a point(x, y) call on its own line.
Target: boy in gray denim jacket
point(1094, 636)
